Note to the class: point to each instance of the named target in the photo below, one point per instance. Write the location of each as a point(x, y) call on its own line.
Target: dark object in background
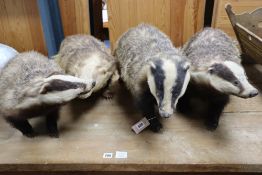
point(96, 20)
point(208, 13)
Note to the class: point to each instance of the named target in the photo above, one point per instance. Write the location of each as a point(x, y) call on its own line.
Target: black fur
point(51, 123)
point(21, 123)
point(159, 77)
point(146, 103)
point(214, 100)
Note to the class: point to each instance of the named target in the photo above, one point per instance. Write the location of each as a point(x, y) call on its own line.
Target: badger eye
point(236, 83)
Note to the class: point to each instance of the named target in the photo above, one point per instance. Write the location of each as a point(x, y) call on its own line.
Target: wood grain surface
point(75, 16)
point(90, 128)
point(220, 19)
point(20, 25)
point(179, 19)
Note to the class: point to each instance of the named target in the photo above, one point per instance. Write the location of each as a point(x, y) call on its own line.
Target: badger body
point(153, 70)
point(86, 57)
point(31, 85)
point(216, 73)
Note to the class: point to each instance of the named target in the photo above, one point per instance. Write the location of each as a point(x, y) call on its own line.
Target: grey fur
point(77, 51)
point(24, 83)
point(216, 73)
point(210, 46)
point(20, 74)
point(136, 48)
point(144, 52)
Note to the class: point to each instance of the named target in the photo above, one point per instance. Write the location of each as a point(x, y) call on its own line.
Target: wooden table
point(90, 128)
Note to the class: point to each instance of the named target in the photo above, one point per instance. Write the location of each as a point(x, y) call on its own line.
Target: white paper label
point(141, 125)
point(121, 155)
point(108, 155)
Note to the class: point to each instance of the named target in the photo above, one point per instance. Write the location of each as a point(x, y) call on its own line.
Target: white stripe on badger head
point(240, 74)
point(151, 83)
point(60, 97)
point(237, 70)
point(67, 78)
point(56, 98)
point(169, 67)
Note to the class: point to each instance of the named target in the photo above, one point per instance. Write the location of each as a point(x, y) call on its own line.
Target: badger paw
point(211, 126)
point(30, 134)
point(54, 134)
point(155, 126)
point(108, 95)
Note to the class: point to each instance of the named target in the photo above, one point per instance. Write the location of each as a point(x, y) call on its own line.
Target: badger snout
point(249, 93)
point(253, 93)
point(164, 113)
point(88, 90)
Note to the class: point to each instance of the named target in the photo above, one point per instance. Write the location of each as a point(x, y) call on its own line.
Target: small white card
point(108, 155)
point(141, 125)
point(121, 155)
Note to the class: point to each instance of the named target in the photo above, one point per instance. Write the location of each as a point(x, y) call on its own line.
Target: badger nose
point(164, 114)
point(253, 93)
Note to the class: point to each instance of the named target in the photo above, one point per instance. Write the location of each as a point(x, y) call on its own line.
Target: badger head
point(230, 78)
point(167, 80)
point(55, 90)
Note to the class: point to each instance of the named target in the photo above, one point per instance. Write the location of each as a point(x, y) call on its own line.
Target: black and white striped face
point(168, 81)
point(56, 89)
point(66, 84)
point(230, 78)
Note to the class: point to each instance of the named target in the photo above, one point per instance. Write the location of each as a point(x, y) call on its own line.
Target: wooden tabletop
point(90, 128)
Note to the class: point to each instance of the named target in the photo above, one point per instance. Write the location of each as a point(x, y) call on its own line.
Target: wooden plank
point(220, 19)
point(75, 16)
point(193, 18)
point(92, 127)
point(21, 26)
point(175, 18)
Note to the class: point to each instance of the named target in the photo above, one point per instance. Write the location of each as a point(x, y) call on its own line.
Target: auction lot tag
point(141, 125)
point(121, 155)
point(108, 155)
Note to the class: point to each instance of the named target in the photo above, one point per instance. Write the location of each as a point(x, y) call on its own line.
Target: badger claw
point(30, 135)
point(211, 126)
point(108, 95)
point(54, 135)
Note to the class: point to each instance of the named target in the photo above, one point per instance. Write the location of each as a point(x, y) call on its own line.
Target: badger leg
point(22, 125)
point(215, 109)
point(146, 104)
point(111, 86)
point(51, 123)
point(183, 105)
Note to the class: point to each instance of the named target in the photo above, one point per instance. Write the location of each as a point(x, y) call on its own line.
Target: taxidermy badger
point(153, 70)
point(216, 73)
point(31, 85)
point(86, 57)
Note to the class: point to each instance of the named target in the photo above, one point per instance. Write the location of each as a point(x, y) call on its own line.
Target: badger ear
point(152, 65)
point(45, 88)
point(115, 77)
point(186, 66)
point(210, 70)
